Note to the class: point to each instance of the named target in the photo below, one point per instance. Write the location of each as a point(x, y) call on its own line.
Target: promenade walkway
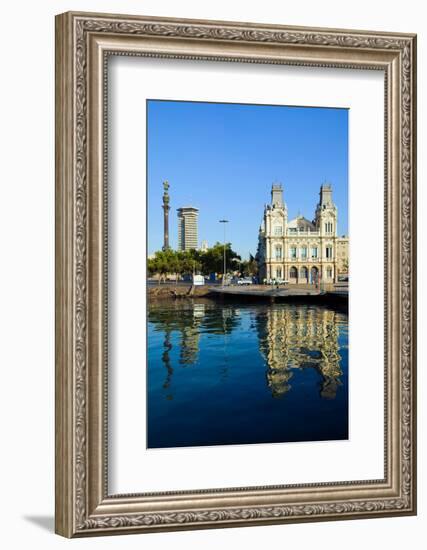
point(333, 292)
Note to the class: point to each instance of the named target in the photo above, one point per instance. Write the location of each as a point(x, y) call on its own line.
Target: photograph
point(247, 274)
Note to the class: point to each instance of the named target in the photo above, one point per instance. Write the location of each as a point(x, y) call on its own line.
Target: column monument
point(166, 209)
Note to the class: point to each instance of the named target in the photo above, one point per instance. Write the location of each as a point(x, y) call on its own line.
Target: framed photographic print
point(235, 274)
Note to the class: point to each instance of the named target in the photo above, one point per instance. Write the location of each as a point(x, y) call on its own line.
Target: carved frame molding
point(83, 44)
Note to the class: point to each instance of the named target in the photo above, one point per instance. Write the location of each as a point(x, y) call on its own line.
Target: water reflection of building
point(182, 326)
point(186, 322)
point(298, 338)
point(190, 336)
point(291, 338)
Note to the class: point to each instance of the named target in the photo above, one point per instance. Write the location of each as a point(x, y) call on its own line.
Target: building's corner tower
point(326, 216)
point(278, 204)
point(326, 222)
point(166, 208)
point(277, 195)
point(273, 235)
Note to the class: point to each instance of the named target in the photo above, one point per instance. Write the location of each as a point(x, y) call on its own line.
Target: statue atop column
point(166, 209)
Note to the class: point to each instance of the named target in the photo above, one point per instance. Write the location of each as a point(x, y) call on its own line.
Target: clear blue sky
point(222, 158)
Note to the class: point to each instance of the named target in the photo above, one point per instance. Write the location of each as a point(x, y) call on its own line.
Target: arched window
point(278, 230)
point(278, 251)
point(314, 275)
point(304, 273)
point(293, 273)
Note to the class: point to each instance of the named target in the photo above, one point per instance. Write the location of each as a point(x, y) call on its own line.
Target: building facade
point(299, 251)
point(342, 255)
point(187, 228)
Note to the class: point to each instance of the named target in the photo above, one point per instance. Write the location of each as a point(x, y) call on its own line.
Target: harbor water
point(224, 373)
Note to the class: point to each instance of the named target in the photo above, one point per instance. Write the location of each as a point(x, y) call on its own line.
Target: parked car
point(245, 281)
point(277, 282)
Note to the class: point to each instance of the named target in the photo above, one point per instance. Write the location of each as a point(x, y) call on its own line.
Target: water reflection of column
point(296, 337)
point(167, 346)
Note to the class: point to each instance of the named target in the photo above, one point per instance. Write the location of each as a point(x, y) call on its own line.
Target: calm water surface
point(223, 374)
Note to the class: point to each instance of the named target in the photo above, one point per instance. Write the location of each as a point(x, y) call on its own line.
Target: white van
point(198, 280)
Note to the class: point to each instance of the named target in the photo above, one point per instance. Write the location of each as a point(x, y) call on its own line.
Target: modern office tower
point(187, 228)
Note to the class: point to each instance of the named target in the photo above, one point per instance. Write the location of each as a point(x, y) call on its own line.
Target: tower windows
point(329, 227)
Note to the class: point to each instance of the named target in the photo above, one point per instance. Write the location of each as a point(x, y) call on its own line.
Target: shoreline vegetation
point(183, 263)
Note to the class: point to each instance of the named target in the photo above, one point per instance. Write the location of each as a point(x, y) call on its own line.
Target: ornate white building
point(299, 251)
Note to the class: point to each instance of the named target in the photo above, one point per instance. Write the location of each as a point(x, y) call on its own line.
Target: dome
point(301, 223)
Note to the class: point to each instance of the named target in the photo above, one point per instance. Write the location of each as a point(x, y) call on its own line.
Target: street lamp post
point(225, 267)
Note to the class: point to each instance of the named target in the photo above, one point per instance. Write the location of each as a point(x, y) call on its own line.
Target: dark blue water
point(221, 374)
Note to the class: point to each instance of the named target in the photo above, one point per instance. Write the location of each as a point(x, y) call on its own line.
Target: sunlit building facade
point(299, 251)
point(342, 255)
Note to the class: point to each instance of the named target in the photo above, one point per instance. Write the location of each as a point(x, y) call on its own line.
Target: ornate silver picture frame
point(84, 42)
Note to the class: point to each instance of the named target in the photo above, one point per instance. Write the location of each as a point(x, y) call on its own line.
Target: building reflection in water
point(189, 319)
point(290, 338)
point(190, 336)
point(300, 337)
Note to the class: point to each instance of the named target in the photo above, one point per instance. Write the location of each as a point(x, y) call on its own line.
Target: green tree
point(151, 266)
point(248, 268)
point(183, 262)
point(213, 259)
point(188, 261)
point(163, 263)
